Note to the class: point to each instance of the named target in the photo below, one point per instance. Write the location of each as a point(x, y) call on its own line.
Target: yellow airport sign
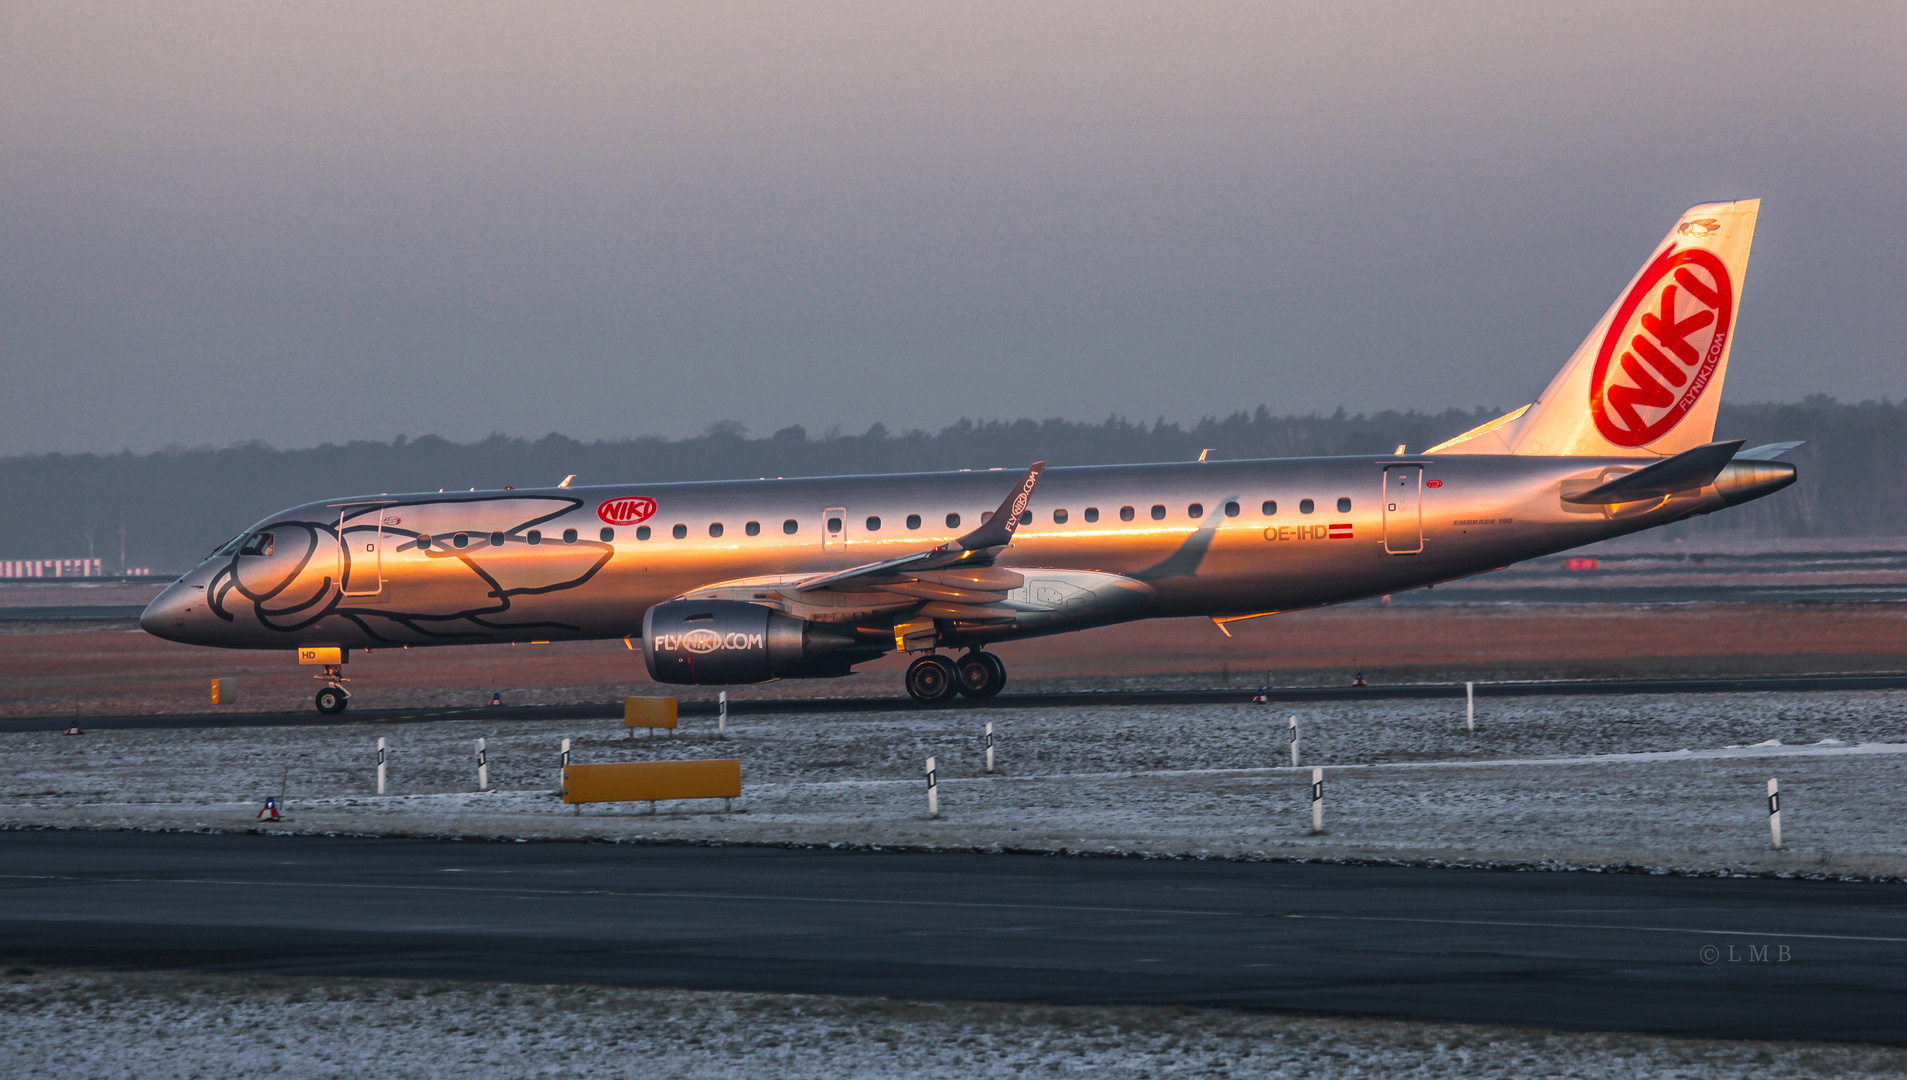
point(649, 712)
point(653, 781)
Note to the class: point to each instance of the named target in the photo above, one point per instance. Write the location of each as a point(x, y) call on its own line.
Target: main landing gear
point(934, 678)
point(333, 697)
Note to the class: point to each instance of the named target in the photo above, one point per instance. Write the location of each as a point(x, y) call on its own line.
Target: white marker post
point(1774, 811)
point(989, 747)
point(721, 716)
point(1470, 706)
point(1317, 800)
point(1294, 742)
point(933, 791)
point(380, 766)
point(483, 768)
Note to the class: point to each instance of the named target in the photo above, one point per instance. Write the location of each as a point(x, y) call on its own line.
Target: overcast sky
point(312, 222)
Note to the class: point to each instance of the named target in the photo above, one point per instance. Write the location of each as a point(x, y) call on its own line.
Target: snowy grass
point(1663, 782)
point(162, 1025)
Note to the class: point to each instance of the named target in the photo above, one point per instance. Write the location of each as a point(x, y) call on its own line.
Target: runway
point(744, 706)
point(1672, 955)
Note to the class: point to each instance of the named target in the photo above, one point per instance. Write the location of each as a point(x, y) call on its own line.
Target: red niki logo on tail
point(1663, 347)
point(627, 511)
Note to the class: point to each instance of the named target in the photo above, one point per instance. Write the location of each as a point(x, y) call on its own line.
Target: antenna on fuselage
point(1202, 453)
point(566, 480)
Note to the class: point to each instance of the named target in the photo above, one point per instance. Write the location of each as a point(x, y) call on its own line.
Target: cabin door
point(361, 549)
point(834, 529)
point(1404, 509)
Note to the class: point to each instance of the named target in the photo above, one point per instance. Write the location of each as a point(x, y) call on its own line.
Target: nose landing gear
point(333, 697)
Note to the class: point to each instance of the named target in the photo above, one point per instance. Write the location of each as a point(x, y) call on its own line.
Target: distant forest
point(178, 504)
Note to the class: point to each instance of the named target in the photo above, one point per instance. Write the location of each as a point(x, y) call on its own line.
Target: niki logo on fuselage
point(706, 641)
point(1662, 347)
point(627, 511)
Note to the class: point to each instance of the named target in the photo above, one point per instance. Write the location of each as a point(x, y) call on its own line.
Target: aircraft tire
point(331, 700)
point(982, 674)
point(932, 679)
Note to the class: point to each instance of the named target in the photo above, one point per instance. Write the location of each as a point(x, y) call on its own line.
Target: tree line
point(178, 504)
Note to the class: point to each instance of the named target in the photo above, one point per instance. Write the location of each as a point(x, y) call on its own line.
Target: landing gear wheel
point(331, 700)
point(932, 678)
point(981, 674)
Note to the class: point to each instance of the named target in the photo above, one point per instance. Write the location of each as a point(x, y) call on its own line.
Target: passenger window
point(532, 536)
point(680, 532)
point(1059, 517)
point(873, 524)
point(1196, 510)
point(913, 521)
point(1125, 513)
point(789, 526)
point(1344, 506)
point(834, 525)
point(715, 528)
point(496, 539)
point(569, 536)
point(1026, 517)
point(257, 544)
point(953, 521)
point(608, 535)
point(753, 528)
point(642, 532)
point(1270, 507)
point(1305, 506)
point(461, 540)
point(1231, 509)
point(1092, 513)
point(1158, 512)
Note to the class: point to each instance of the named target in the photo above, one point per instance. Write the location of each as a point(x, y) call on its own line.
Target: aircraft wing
point(975, 549)
point(955, 581)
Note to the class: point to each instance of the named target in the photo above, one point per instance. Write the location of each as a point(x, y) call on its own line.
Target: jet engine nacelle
point(724, 642)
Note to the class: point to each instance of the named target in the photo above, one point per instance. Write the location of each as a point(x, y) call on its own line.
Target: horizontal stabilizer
point(1686, 471)
point(1769, 452)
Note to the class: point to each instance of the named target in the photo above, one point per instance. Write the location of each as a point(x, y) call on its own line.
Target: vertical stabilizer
point(1648, 379)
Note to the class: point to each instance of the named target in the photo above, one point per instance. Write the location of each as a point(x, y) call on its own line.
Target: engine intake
point(725, 642)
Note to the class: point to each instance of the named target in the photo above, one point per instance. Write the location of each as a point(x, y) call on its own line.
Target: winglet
point(998, 529)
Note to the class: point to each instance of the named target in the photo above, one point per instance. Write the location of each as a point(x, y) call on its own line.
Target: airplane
point(746, 581)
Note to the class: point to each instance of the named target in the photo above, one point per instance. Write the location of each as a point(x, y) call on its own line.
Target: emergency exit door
point(361, 550)
point(834, 529)
point(1404, 509)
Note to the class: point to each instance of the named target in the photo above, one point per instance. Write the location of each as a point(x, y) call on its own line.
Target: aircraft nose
point(170, 615)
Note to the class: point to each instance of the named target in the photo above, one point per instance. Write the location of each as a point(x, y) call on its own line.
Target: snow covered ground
point(161, 1025)
point(1664, 782)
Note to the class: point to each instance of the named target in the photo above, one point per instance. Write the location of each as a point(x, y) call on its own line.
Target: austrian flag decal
point(1663, 347)
point(1341, 531)
point(627, 511)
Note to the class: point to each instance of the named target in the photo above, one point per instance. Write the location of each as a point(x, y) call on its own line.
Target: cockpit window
point(259, 543)
point(230, 547)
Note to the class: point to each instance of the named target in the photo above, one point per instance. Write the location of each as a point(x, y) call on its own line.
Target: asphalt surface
point(1072, 699)
point(1684, 956)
